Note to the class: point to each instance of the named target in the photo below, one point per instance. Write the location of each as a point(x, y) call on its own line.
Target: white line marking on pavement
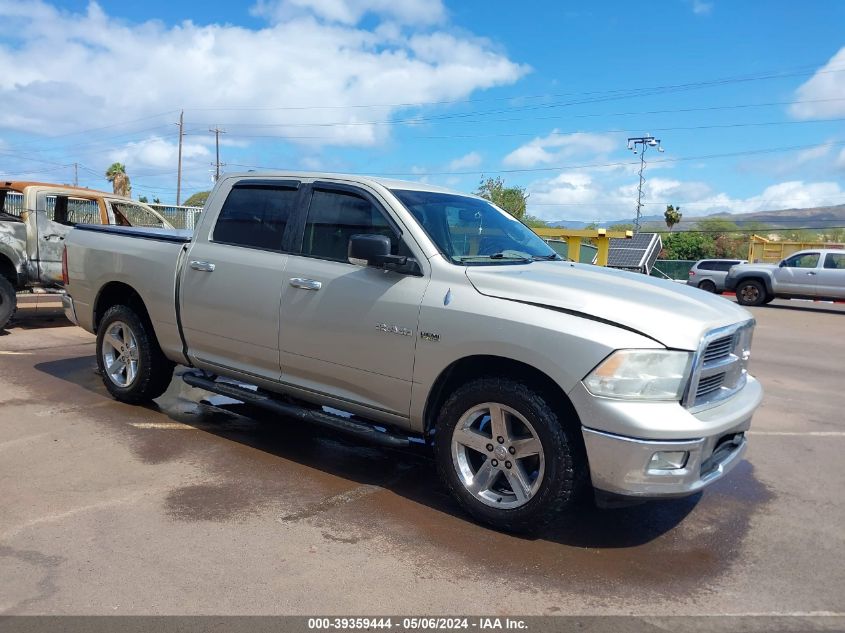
point(800, 433)
point(8, 353)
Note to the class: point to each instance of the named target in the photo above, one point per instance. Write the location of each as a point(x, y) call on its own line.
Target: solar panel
point(637, 253)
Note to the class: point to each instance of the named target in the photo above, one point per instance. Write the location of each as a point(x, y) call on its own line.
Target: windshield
point(473, 231)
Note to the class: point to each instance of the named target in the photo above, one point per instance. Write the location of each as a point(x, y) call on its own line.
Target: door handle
point(203, 266)
point(305, 284)
point(811, 273)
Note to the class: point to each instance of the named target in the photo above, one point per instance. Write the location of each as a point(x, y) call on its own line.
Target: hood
point(672, 313)
point(755, 267)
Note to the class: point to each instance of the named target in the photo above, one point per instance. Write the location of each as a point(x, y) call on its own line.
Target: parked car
point(34, 219)
point(810, 274)
point(709, 274)
point(424, 313)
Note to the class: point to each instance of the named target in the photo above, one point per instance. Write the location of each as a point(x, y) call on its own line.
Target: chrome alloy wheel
point(120, 354)
point(497, 455)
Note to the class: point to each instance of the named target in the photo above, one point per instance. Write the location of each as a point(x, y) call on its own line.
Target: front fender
point(732, 283)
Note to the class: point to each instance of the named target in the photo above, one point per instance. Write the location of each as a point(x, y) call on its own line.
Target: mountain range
point(813, 217)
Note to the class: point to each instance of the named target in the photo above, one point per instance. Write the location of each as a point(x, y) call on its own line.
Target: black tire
point(769, 299)
point(565, 470)
point(8, 302)
point(154, 370)
point(750, 293)
point(707, 286)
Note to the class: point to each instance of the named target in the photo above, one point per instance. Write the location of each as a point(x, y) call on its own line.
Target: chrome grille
point(720, 348)
point(709, 384)
point(720, 366)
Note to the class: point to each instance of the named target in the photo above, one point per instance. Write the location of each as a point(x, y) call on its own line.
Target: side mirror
point(372, 250)
point(782, 263)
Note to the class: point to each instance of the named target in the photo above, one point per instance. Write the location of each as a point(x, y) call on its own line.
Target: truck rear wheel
point(132, 365)
point(505, 455)
point(8, 302)
point(750, 293)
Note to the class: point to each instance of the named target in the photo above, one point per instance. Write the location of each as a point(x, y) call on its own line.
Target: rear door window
point(725, 266)
point(707, 265)
point(835, 261)
point(255, 216)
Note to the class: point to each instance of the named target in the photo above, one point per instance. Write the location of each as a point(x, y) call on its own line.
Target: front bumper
point(622, 437)
point(70, 310)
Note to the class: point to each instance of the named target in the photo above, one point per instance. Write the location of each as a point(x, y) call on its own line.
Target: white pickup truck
point(396, 310)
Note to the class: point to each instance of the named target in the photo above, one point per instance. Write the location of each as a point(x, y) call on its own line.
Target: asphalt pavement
point(198, 505)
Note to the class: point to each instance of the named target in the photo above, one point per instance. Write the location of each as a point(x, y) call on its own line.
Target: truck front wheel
point(8, 301)
point(132, 365)
point(750, 293)
point(505, 455)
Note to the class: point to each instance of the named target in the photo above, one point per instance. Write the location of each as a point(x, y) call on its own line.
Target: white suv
point(709, 274)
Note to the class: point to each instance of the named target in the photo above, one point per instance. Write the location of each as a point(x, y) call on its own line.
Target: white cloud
point(467, 161)
point(111, 71)
point(590, 195)
point(556, 147)
point(700, 7)
point(826, 88)
point(156, 152)
point(352, 11)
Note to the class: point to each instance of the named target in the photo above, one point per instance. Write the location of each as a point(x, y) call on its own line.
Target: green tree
point(687, 245)
point(622, 226)
point(534, 222)
point(143, 199)
point(511, 199)
point(672, 215)
point(119, 179)
point(197, 200)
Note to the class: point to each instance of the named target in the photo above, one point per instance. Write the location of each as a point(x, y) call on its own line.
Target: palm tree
point(117, 176)
point(672, 215)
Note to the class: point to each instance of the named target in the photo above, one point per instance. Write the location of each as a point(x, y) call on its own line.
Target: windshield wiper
point(516, 258)
point(548, 258)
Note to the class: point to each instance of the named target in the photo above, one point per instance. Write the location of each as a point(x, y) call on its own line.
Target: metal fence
point(179, 217)
point(88, 212)
point(672, 268)
point(79, 211)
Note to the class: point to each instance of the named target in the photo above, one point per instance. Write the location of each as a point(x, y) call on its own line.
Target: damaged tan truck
point(34, 220)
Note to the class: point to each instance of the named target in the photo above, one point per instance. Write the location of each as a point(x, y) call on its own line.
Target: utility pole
point(75, 175)
point(643, 142)
point(179, 168)
point(217, 164)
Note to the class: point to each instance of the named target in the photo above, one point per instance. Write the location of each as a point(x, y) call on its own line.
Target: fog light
point(668, 460)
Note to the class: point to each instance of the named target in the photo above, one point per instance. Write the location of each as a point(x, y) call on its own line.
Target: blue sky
point(748, 97)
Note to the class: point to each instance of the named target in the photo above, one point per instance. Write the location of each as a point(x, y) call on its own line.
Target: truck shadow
point(634, 542)
point(806, 307)
point(34, 320)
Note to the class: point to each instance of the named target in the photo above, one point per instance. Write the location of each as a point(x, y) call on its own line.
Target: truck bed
point(181, 236)
point(148, 260)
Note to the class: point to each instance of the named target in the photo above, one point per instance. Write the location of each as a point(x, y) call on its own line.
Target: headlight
point(641, 374)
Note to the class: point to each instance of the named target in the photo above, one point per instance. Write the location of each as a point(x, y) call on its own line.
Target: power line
point(582, 166)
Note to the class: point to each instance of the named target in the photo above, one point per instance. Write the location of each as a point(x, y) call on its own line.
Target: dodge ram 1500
point(421, 312)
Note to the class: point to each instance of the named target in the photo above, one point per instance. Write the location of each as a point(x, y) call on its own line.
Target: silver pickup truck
point(811, 274)
point(401, 311)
